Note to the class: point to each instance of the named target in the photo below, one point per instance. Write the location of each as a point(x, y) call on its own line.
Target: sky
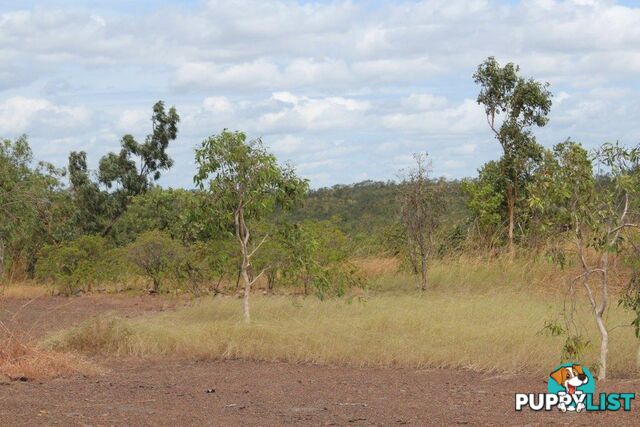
point(344, 90)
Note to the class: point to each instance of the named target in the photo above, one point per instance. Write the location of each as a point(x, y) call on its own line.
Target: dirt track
point(178, 392)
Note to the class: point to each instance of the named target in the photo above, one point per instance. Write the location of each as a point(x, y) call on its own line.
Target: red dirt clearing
point(179, 392)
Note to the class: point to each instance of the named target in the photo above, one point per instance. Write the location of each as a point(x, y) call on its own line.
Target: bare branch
point(258, 247)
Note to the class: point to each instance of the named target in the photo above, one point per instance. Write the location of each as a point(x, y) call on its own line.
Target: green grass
point(495, 331)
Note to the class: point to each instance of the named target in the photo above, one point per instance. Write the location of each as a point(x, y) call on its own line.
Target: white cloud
point(21, 114)
point(303, 113)
point(424, 101)
point(132, 121)
point(258, 73)
point(463, 119)
point(217, 104)
point(287, 144)
point(316, 79)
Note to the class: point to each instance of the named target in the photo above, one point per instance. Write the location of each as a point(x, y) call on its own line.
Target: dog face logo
point(571, 379)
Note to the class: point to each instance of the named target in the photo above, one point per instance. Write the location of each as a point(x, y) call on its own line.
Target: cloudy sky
point(345, 90)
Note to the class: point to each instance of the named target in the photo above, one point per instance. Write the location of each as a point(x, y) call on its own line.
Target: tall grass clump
point(491, 331)
point(22, 360)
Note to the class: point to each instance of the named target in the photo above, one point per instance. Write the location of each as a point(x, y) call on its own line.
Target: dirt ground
point(182, 392)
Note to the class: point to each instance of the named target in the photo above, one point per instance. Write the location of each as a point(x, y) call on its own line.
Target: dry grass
point(24, 361)
point(24, 291)
point(490, 331)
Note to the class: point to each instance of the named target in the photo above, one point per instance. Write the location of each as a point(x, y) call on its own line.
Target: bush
point(316, 255)
point(203, 264)
point(78, 264)
point(155, 255)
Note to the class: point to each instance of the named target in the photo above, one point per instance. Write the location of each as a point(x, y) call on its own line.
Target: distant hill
point(367, 207)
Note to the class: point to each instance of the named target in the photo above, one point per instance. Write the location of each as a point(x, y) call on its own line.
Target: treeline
point(253, 220)
point(80, 230)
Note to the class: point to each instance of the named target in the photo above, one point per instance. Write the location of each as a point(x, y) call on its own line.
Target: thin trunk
point(242, 233)
point(604, 334)
point(638, 360)
point(604, 347)
point(510, 211)
point(247, 291)
point(412, 255)
point(424, 270)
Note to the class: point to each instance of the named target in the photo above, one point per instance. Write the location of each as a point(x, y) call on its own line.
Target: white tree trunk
point(245, 298)
point(604, 347)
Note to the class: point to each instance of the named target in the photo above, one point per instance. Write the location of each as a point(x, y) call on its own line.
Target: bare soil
point(238, 392)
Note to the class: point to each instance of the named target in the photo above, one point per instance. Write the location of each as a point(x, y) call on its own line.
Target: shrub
point(78, 264)
point(155, 255)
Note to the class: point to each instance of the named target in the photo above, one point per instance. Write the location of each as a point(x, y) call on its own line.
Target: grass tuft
point(20, 361)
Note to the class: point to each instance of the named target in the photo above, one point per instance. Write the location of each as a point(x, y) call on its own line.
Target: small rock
point(210, 390)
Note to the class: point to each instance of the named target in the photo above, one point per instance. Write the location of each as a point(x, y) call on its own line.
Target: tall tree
point(513, 105)
point(245, 183)
point(124, 175)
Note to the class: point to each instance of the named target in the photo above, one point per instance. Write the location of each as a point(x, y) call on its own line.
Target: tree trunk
point(638, 360)
point(510, 210)
point(247, 291)
point(242, 233)
point(412, 255)
point(423, 268)
point(604, 347)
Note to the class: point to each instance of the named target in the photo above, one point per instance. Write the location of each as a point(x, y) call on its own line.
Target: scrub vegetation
point(532, 261)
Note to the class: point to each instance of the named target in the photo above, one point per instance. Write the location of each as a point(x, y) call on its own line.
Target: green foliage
point(513, 105)
point(155, 254)
point(168, 210)
point(126, 174)
point(316, 255)
point(204, 265)
point(240, 173)
point(368, 213)
point(486, 200)
point(246, 184)
point(31, 216)
point(520, 102)
point(574, 348)
point(630, 300)
point(79, 264)
point(564, 189)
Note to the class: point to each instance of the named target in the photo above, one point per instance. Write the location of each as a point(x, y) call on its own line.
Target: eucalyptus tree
point(596, 218)
point(245, 184)
point(102, 199)
point(513, 105)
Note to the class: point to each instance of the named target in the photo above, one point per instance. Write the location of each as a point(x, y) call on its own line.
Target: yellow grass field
point(492, 331)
